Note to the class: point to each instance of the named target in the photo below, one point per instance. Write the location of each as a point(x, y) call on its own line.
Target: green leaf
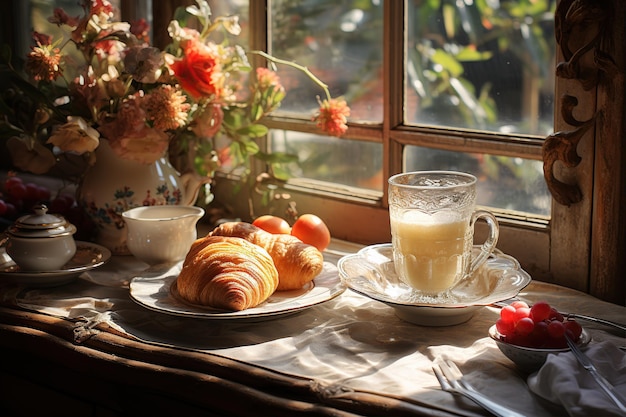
point(256, 112)
point(471, 54)
point(448, 62)
point(251, 147)
point(449, 13)
point(280, 172)
point(254, 130)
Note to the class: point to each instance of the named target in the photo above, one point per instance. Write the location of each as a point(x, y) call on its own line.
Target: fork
point(602, 382)
point(451, 379)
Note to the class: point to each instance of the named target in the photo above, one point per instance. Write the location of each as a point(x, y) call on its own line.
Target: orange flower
point(333, 116)
point(44, 62)
point(166, 107)
point(199, 72)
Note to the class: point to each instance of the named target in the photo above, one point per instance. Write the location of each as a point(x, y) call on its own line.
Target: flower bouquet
point(104, 81)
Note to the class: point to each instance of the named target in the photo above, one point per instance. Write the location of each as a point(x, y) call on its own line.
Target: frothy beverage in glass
point(432, 216)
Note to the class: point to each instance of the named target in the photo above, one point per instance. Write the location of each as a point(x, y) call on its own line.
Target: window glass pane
point(347, 162)
point(341, 43)
point(503, 182)
point(481, 65)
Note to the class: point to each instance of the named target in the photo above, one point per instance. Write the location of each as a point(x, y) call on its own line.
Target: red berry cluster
point(539, 326)
point(18, 198)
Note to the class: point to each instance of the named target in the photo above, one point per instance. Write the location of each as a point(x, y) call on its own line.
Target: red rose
point(199, 71)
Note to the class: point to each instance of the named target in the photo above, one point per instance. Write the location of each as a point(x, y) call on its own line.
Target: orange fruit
point(272, 224)
point(311, 230)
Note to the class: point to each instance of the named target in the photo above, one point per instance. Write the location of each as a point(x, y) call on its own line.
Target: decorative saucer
point(88, 256)
point(371, 272)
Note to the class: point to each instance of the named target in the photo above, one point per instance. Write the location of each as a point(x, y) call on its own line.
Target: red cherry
point(17, 191)
point(519, 304)
point(524, 326)
point(505, 328)
point(556, 329)
point(540, 311)
point(573, 329)
point(521, 313)
point(508, 314)
point(43, 194)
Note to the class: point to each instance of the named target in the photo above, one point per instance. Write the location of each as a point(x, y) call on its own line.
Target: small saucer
point(88, 256)
point(371, 272)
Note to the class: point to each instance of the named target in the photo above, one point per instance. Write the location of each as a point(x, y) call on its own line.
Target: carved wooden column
point(584, 161)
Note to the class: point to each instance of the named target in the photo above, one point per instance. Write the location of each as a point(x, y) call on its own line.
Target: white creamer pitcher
point(161, 234)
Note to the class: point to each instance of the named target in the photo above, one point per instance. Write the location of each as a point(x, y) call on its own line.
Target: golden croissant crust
point(297, 263)
point(226, 273)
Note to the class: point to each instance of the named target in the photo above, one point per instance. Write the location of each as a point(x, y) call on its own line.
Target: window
point(447, 92)
point(502, 119)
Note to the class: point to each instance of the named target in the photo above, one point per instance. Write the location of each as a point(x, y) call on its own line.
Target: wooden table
point(86, 349)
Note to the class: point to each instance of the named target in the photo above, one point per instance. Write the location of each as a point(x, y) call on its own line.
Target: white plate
point(154, 292)
point(371, 272)
point(88, 256)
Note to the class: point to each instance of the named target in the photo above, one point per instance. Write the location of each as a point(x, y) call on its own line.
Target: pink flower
point(267, 79)
point(333, 116)
point(129, 120)
point(144, 146)
point(129, 135)
point(208, 122)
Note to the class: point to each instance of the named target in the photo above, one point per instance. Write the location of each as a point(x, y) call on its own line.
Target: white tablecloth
point(350, 341)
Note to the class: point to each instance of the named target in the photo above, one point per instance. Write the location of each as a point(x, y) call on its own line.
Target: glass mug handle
point(489, 245)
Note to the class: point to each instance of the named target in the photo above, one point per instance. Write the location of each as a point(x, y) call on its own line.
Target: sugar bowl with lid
point(40, 241)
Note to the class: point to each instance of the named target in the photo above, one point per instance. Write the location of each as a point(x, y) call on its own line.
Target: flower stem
point(298, 67)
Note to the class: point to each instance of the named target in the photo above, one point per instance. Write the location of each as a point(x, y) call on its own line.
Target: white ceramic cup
point(161, 234)
point(432, 216)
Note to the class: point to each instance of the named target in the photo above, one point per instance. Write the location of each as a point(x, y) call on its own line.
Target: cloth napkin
point(562, 380)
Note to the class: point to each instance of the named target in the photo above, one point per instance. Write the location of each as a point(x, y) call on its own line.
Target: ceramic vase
point(113, 185)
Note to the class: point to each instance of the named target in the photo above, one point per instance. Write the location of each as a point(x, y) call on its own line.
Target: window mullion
point(394, 34)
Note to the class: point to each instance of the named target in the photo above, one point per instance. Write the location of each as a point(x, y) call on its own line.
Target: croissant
point(226, 273)
point(297, 263)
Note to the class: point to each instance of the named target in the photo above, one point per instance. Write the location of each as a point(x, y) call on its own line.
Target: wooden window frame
point(583, 244)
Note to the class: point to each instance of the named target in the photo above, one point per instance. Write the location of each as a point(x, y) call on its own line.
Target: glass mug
point(432, 216)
